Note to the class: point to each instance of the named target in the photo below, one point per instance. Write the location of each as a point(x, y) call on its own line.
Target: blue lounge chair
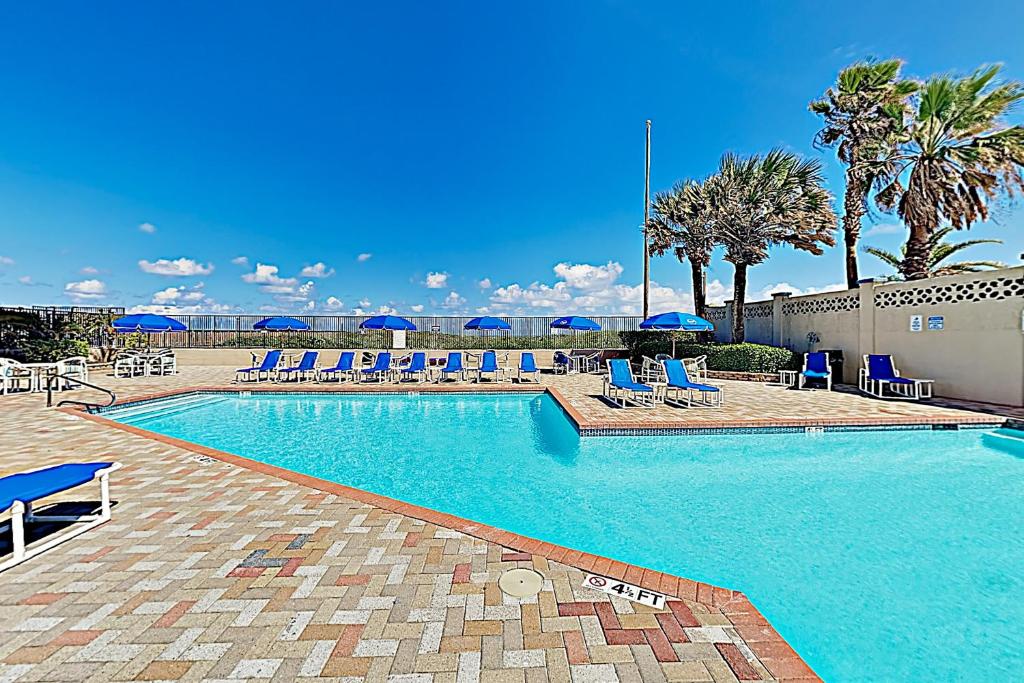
point(380, 371)
point(307, 365)
point(345, 367)
point(619, 384)
point(19, 491)
point(489, 365)
point(562, 363)
point(816, 366)
point(256, 372)
point(677, 380)
point(527, 366)
point(880, 372)
point(416, 370)
point(453, 366)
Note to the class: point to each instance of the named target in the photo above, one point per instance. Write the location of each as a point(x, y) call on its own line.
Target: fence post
point(778, 299)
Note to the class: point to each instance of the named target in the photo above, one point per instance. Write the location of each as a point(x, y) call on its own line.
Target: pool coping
point(591, 427)
point(771, 649)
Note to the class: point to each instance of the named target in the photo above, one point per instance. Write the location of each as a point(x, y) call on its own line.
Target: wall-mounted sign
point(936, 322)
point(916, 323)
point(435, 328)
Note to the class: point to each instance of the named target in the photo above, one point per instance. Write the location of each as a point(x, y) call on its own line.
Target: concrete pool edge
point(591, 427)
point(770, 648)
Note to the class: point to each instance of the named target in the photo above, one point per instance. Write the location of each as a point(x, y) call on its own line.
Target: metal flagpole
point(647, 207)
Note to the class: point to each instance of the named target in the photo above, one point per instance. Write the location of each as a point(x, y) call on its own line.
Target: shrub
point(726, 357)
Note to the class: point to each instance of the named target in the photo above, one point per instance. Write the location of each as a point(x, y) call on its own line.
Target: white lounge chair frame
point(21, 514)
point(921, 388)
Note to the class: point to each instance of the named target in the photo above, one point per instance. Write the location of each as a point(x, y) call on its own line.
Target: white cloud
point(585, 276)
point(182, 267)
point(207, 306)
point(885, 229)
point(240, 260)
point(266, 274)
point(6, 261)
point(536, 295)
point(85, 290)
point(418, 308)
point(288, 294)
point(26, 280)
point(485, 283)
point(362, 258)
point(436, 280)
point(333, 303)
point(310, 305)
point(453, 300)
point(319, 269)
point(179, 294)
point(147, 228)
point(89, 270)
point(364, 303)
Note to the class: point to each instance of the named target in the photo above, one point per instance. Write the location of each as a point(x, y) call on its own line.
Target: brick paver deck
point(210, 570)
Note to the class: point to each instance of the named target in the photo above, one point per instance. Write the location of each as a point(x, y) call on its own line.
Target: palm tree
point(761, 201)
point(956, 157)
point(682, 222)
point(939, 251)
point(864, 112)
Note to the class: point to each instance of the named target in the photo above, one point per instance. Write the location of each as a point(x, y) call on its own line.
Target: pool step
point(1007, 440)
point(164, 407)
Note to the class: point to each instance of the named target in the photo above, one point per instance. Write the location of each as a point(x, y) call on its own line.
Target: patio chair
point(416, 370)
point(697, 368)
point(72, 369)
point(380, 371)
point(489, 365)
point(453, 367)
point(161, 362)
point(12, 374)
point(527, 366)
point(816, 366)
point(677, 381)
point(562, 363)
point(306, 366)
point(652, 370)
point(620, 384)
point(257, 372)
point(129, 363)
point(19, 491)
point(880, 372)
point(344, 367)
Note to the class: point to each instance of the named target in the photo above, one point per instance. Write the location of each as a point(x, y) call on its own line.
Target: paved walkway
point(213, 571)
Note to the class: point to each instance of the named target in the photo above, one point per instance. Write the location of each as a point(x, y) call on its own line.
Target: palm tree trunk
point(915, 260)
point(699, 295)
point(739, 294)
point(853, 212)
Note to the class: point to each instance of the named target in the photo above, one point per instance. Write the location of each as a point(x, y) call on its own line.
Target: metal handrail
point(88, 406)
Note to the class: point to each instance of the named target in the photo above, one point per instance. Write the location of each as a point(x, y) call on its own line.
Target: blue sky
point(434, 157)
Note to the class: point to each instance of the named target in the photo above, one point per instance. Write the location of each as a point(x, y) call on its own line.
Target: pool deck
point(219, 568)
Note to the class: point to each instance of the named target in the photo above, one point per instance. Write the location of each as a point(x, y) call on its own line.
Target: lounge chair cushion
point(29, 486)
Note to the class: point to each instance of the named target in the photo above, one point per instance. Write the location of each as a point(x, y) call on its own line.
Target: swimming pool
point(879, 555)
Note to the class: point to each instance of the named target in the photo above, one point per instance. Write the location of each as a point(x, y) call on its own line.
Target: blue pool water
point(881, 556)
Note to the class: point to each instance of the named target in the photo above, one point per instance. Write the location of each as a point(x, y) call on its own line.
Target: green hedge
point(376, 339)
point(726, 357)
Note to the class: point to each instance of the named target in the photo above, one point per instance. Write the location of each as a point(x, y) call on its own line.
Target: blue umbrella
point(386, 322)
point(147, 322)
point(575, 322)
point(280, 324)
point(677, 321)
point(487, 323)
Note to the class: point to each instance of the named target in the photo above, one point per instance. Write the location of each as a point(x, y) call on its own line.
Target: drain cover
point(520, 583)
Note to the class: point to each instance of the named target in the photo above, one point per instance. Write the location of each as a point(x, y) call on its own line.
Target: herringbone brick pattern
point(214, 572)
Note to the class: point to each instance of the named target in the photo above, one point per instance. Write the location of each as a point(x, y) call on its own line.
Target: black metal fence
point(90, 323)
point(432, 332)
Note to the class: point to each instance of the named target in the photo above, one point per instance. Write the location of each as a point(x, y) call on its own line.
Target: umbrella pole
point(673, 345)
